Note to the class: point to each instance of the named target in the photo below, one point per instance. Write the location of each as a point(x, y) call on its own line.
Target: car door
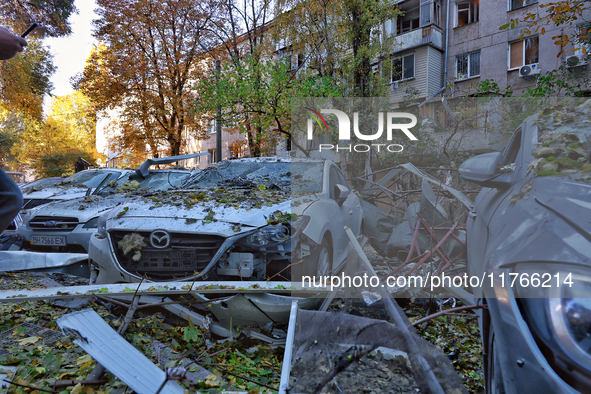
point(352, 206)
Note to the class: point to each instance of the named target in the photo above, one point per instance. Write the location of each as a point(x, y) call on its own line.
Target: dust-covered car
point(74, 186)
point(67, 225)
point(233, 220)
point(529, 239)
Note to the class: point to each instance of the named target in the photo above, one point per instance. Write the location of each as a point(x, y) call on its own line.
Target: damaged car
point(235, 219)
point(529, 240)
point(67, 225)
point(74, 186)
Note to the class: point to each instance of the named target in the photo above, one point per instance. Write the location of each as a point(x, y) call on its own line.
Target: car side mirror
point(341, 193)
point(484, 170)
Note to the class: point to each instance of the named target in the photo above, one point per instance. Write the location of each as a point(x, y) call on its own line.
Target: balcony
point(431, 35)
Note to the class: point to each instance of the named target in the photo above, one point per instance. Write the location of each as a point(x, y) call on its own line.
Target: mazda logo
point(159, 239)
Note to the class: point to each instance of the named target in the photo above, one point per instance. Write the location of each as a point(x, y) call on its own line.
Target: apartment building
point(476, 49)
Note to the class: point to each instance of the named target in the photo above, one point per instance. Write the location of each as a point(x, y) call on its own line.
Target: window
point(404, 26)
point(515, 4)
point(523, 52)
point(403, 68)
point(583, 43)
point(466, 12)
point(211, 129)
point(468, 65)
point(212, 158)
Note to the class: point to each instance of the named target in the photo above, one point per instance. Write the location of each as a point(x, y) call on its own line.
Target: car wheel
point(319, 263)
point(494, 377)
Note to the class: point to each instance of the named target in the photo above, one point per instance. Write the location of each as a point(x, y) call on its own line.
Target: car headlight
point(272, 234)
point(92, 223)
point(101, 227)
point(298, 225)
point(557, 310)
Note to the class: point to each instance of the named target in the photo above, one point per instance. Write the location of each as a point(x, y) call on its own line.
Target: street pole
point(218, 116)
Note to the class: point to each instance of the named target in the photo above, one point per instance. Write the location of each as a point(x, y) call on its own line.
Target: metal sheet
point(26, 261)
point(143, 169)
point(256, 309)
point(456, 193)
point(159, 289)
point(114, 353)
point(286, 369)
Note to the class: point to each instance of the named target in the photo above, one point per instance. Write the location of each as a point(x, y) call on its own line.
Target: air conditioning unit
point(575, 61)
point(393, 85)
point(530, 70)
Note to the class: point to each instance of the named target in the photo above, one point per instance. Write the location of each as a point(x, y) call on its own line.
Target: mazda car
point(255, 218)
point(529, 239)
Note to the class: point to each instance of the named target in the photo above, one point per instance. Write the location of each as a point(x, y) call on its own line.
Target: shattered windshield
point(307, 177)
point(243, 174)
point(40, 184)
point(154, 181)
point(86, 179)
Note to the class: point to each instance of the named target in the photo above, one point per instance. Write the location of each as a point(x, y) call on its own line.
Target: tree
point(146, 64)
point(255, 95)
point(67, 131)
point(25, 80)
point(51, 16)
point(564, 13)
point(343, 39)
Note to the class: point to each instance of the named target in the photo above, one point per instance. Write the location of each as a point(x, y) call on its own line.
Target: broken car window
point(307, 177)
point(86, 179)
point(242, 174)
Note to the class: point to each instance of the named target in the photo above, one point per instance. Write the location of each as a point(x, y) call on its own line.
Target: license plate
point(48, 240)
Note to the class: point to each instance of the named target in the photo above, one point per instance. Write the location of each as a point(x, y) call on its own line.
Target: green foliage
point(560, 82)
point(60, 163)
point(255, 95)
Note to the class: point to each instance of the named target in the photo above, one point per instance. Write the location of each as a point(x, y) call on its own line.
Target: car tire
point(494, 378)
point(319, 263)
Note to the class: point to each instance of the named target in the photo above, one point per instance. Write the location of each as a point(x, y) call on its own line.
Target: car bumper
point(103, 266)
point(76, 240)
point(525, 369)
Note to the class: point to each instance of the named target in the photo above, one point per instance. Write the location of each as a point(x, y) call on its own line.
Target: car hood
point(83, 208)
point(551, 223)
point(149, 213)
point(301, 203)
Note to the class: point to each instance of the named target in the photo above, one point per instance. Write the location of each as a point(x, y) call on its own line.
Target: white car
point(236, 219)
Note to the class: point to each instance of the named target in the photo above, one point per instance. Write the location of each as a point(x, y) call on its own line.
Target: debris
point(6, 375)
point(193, 372)
point(70, 263)
point(160, 289)
point(117, 355)
point(132, 242)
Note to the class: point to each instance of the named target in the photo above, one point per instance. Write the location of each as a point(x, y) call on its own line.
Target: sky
point(70, 53)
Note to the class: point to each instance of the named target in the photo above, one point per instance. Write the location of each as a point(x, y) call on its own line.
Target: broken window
point(403, 68)
point(468, 65)
point(515, 4)
point(466, 12)
point(523, 52)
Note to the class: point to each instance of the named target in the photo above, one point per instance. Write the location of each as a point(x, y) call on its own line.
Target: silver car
point(72, 187)
point(246, 218)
